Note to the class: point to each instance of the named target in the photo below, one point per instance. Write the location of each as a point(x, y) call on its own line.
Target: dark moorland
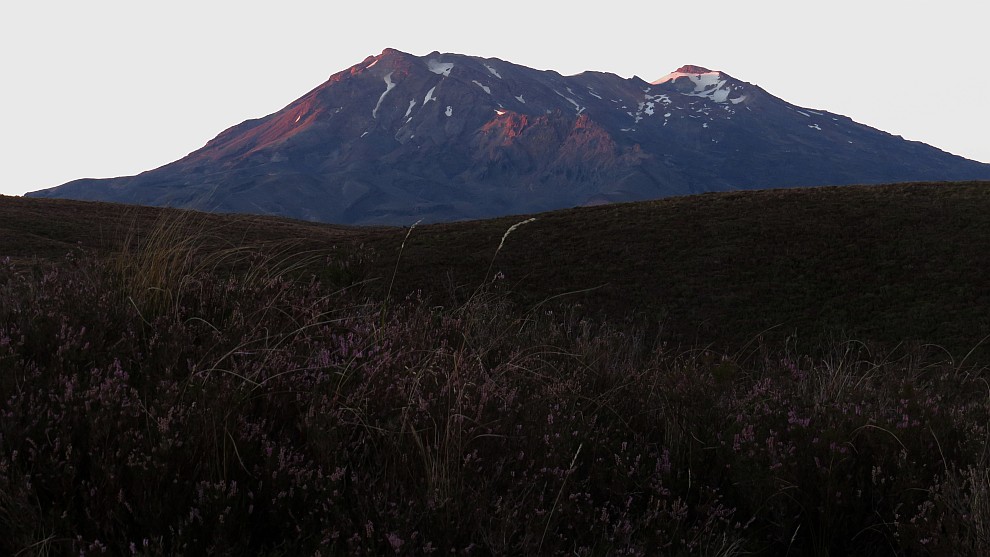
point(771, 372)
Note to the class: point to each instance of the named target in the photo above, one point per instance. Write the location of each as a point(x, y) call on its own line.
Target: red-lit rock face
point(506, 127)
point(398, 138)
point(692, 69)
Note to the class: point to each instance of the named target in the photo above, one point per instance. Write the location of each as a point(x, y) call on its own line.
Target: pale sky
point(110, 88)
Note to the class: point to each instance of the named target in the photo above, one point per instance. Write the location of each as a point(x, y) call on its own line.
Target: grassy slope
point(900, 263)
point(890, 263)
point(157, 405)
point(47, 229)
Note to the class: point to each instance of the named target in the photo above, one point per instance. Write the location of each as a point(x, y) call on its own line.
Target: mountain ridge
point(398, 138)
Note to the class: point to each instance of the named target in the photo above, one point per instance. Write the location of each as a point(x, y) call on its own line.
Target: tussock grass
point(154, 272)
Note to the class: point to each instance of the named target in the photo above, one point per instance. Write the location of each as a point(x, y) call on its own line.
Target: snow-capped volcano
point(397, 138)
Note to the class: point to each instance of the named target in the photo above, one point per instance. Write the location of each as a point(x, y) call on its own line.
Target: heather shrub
point(264, 412)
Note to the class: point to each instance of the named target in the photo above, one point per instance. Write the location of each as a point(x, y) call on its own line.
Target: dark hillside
point(887, 263)
point(897, 263)
point(46, 230)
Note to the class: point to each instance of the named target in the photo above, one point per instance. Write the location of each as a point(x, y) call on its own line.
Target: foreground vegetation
point(171, 399)
point(889, 265)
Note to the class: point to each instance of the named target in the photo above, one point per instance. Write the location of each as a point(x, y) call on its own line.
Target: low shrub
point(254, 413)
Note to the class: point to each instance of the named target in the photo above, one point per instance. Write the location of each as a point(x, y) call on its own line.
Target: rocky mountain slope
point(400, 138)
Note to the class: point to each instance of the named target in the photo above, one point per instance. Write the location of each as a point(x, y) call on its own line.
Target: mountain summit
point(398, 138)
point(685, 71)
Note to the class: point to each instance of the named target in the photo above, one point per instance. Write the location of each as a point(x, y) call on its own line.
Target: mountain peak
point(694, 72)
point(696, 81)
point(693, 69)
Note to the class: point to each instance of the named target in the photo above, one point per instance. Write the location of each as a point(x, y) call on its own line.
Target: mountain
point(443, 137)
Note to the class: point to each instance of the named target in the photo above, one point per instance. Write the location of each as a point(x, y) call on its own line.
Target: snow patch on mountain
point(577, 106)
point(520, 99)
point(388, 87)
point(429, 95)
point(440, 68)
point(493, 72)
point(450, 111)
point(484, 87)
point(648, 106)
point(412, 103)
